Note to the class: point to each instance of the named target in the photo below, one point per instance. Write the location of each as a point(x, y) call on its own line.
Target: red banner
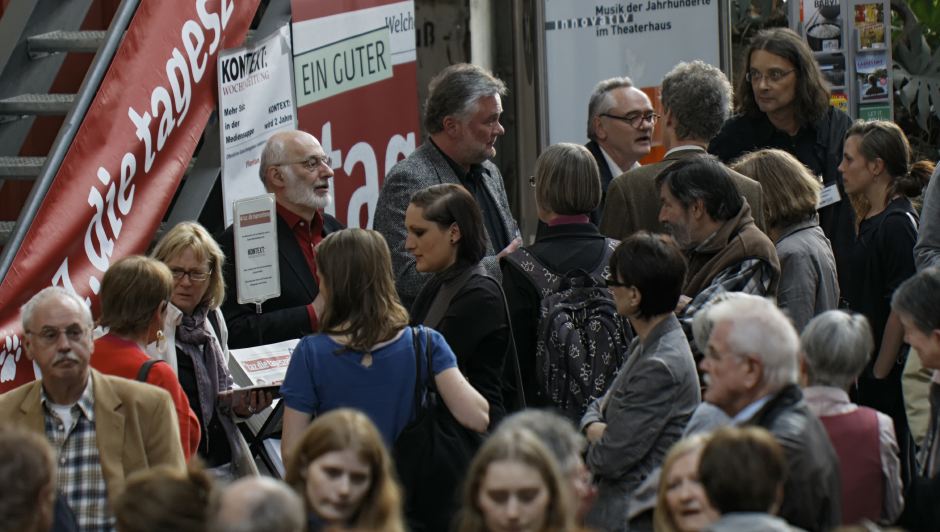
point(355, 81)
point(126, 161)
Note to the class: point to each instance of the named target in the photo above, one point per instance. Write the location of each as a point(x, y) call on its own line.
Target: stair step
point(65, 41)
point(21, 167)
point(37, 104)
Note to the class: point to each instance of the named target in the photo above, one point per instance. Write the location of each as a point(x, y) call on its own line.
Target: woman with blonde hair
point(880, 180)
point(134, 296)
point(365, 354)
point(809, 283)
point(341, 469)
point(681, 503)
point(514, 483)
point(196, 340)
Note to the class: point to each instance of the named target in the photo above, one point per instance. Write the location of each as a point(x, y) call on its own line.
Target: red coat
point(116, 356)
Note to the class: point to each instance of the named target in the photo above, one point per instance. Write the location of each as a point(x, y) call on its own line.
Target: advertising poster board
point(587, 42)
point(257, 271)
point(355, 83)
point(255, 101)
point(125, 164)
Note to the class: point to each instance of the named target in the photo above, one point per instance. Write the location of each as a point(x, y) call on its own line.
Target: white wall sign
point(255, 101)
point(586, 42)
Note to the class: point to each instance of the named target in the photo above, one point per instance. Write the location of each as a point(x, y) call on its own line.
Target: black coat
point(812, 494)
point(284, 317)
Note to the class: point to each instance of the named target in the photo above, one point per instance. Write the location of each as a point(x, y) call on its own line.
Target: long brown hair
point(812, 94)
point(347, 429)
point(355, 267)
point(517, 445)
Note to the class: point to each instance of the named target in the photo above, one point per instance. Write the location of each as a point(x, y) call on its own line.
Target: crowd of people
point(732, 338)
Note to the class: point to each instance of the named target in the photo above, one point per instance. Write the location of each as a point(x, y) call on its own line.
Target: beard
point(680, 233)
point(301, 193)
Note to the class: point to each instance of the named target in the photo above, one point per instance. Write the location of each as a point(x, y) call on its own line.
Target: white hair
point(760, 329)
point(53, 292)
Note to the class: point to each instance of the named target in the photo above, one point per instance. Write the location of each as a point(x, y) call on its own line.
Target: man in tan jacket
point(102, 428)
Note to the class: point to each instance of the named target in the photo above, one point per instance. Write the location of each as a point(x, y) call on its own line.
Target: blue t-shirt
point(322, 376)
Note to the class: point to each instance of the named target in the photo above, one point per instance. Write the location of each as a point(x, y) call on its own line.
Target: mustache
point(67, 356)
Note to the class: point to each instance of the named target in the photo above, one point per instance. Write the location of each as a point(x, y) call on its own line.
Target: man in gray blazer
point(462, 120)
point(696, 101)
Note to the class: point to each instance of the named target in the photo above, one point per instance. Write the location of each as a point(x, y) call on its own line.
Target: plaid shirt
point(751, 276)
point(80, 480)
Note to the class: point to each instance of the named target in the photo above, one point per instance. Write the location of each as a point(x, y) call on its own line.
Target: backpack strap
point(144, 370)
point(544, 280)
point(602, 270)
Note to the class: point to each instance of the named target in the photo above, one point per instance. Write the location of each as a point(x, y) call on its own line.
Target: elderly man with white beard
point(296, 169)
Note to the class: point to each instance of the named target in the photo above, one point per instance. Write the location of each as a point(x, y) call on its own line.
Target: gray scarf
point(195, 341)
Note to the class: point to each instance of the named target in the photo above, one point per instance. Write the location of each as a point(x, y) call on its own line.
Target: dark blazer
point(606, 178)
point(812, 492)
point(423, 168)
point(633, 199)
point(284, 317)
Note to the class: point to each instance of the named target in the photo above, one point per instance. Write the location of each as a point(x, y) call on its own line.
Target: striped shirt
point(80, 480)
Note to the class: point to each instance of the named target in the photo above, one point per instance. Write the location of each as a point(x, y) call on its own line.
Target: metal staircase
point(37, 37)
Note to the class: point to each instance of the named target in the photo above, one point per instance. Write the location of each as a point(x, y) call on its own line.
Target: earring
point(161, 342)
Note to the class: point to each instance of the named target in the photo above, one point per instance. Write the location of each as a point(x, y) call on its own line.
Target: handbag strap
point(427, 352)
point(512, 352)
point(445, 294)
point(416, 342)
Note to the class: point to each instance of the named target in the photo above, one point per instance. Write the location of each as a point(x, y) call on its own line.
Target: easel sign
point(256, 264)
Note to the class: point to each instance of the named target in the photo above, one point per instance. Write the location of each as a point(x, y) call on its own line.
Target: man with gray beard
point(296, 169)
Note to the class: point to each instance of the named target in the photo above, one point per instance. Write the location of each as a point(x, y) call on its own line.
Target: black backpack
point(581, 341)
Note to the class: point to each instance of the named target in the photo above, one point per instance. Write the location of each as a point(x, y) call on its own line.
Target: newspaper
point(261, 365)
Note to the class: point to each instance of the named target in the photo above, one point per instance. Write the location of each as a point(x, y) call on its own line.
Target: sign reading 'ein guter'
point(351, 63)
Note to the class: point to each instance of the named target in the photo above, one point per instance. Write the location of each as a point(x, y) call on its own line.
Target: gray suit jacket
point(633, 199)
point(423, 168)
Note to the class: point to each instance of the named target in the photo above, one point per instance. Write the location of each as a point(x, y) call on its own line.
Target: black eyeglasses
point(613, 283)
point(773, 75)
point(196, 276)
point(311, 163)
point(635, 119)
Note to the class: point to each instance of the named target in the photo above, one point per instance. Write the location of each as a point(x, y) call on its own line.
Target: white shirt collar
point(614, 169)
point(684, 147)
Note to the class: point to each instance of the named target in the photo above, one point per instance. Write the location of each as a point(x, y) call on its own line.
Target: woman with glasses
point(195, 344)
point(134, 297)
point(632, 426)
point(783, 102)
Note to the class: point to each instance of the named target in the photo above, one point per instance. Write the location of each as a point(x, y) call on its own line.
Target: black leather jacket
point(812, 494)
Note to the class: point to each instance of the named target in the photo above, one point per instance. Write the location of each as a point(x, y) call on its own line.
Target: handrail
point(86, 94)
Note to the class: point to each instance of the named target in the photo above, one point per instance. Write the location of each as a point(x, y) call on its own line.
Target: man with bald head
point(258, 504)
point(620, 128)
point(103, 428)
point(296, 169)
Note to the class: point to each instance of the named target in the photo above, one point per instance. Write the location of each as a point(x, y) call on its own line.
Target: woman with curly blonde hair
point(341, 469)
